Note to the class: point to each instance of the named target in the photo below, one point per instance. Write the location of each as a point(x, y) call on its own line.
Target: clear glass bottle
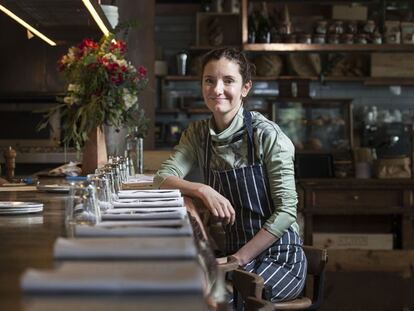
point(135, 153)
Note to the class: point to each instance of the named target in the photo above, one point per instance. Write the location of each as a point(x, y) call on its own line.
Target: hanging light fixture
point(27, 26)
point(96, 17)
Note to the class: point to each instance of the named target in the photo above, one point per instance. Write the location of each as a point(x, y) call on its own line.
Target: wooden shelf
point(368, 81)
point(345, 260)
point(301, 47)
point(181, 78)
point(355, 211)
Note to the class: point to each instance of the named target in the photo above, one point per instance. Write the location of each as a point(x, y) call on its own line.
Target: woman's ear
point(246, 88)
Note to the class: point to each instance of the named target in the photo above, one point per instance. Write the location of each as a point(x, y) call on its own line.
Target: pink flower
point(142, 71)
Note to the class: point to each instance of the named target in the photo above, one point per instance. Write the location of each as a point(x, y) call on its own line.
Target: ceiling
point(64, 21)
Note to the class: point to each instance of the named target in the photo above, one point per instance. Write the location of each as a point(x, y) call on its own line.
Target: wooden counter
point(27, 241)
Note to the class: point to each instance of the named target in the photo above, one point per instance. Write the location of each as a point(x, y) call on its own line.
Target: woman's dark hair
point(246, 68)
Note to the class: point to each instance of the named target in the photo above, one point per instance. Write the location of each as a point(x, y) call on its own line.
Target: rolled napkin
point(131, 248)
point(153, 193)
point(149, 202)
point(102, 278)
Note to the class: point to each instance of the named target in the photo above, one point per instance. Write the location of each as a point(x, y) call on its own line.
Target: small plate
point(17, 208)
point(19, 211)
point(53, 188)
point(4, 205)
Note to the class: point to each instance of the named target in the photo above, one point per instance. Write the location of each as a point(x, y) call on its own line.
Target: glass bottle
point(135, 153)
point(263, 33)
point(252, 27)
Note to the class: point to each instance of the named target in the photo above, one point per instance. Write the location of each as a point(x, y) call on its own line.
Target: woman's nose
point(218, 88)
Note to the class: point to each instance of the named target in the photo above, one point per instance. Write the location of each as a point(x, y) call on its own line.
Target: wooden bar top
point(26, 241)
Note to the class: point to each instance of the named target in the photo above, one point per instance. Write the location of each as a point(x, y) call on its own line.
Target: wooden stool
point(250, 286)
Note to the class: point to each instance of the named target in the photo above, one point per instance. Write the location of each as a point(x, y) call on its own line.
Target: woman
point(249, 176)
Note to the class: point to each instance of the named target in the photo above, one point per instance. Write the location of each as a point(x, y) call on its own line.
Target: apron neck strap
point(247, 120)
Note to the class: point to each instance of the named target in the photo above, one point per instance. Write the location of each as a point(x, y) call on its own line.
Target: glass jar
point(376, 38)
point(319, 39)
point(333, 39)
point(369, 26)
point(348, 38)
point(305, 38)
point(337, 27)
point(321, 27)
point(361, 39)
point(135, 154)
point(352, 27)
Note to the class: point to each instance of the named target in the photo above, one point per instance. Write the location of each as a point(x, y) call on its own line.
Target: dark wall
point(30, 66)
point(27, 66)
point(141, 51)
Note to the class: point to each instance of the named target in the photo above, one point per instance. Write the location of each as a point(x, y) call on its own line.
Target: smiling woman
point(248, 176)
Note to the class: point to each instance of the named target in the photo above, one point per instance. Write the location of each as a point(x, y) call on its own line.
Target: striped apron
point(282, 266)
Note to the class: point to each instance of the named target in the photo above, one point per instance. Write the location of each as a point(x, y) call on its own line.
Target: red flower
point(88, 44)
point(142, 71)
point(117, 45)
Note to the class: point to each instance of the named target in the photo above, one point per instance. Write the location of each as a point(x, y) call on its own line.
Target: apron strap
point(247, 119)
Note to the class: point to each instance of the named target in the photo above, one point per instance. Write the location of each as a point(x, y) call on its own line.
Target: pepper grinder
point(10, 157)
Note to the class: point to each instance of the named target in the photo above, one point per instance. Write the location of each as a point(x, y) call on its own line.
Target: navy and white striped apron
point(283, 266)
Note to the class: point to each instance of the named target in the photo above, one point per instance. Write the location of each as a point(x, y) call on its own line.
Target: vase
point(135, 154)
point(94, 152)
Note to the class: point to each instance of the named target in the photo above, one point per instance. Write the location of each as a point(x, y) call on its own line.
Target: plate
point(19, 211)
point(53, 188)
point(4, 205)
point(17, 208)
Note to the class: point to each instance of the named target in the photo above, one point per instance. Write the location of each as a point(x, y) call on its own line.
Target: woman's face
point(223, 87)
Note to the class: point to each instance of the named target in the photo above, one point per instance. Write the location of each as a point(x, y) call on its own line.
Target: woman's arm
point(261, 241)
point(217, 204)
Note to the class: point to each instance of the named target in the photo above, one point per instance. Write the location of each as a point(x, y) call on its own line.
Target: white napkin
point(131, 248)
point(179, 214)
point(153, 193)
point(139, 178)
point(116, 277)
point(174, 223)
point(131, 231)
point(148, 202)
point(143, 210)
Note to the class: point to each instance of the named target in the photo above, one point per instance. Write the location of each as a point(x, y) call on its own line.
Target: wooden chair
point(250, 287)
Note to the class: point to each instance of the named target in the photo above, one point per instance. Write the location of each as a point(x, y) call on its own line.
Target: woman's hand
point(217, 204)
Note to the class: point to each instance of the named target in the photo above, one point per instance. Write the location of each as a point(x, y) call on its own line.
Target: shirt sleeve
point(182, 161)
point(278, 152)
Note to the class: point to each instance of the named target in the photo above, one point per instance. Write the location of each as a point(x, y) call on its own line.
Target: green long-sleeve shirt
point(274, 150)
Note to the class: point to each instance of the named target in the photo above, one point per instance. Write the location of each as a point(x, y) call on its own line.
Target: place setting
point(18, 208)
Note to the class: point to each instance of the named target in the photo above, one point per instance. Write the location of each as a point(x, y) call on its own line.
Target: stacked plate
point(54, 188)
point(17, 208)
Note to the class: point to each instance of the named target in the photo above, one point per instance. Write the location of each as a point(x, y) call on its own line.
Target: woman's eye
point(228, 81)
point(208, 80)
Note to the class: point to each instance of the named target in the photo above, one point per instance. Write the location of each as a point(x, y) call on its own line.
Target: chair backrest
point(317, 260)
point(247, 284)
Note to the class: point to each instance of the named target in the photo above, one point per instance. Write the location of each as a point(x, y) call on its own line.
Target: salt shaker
point(10, 157)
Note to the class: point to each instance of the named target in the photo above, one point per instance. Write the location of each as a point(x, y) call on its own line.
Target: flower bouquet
point(102, 88)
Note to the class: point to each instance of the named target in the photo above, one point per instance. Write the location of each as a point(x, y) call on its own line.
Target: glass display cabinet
point(316, 125)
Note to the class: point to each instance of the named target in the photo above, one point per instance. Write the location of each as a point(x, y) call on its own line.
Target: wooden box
point(349, 12)
point(392, 65)
point(353, 241)
point(217, 29)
